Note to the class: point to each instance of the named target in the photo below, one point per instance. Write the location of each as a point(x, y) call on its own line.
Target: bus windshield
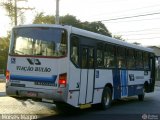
point(39, 41)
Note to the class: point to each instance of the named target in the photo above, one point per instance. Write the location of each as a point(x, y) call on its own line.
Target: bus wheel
point(141, 96)
point(106, 98)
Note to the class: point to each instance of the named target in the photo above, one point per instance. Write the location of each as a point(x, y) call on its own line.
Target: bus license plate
point(32, 94)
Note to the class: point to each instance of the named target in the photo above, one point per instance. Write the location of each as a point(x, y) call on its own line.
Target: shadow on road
point(72, 114)
point(121, 102)
point(90, 114)
point(94, 113)
point(113, 113)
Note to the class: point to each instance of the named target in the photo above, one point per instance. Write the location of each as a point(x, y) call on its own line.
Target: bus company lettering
point(30, 68)
point(25, 68)
point(42, 69)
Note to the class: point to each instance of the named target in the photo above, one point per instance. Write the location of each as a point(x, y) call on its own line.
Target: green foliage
point(70, 20)
point(40, 18)
point(9, 7)
point(16, 14)
point(97, 27)
point(118, 37)
point(4, 46)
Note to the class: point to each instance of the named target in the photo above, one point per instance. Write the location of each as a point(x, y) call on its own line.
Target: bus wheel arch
point(109, 85)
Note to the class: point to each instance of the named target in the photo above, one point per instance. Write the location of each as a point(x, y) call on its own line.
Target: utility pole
point(57, 12)
point(15, 12)
point(16, 8)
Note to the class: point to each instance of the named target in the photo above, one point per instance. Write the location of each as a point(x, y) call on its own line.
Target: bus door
point(87, 74)
point(124, 83)
point(116, 83)
point(120, 82)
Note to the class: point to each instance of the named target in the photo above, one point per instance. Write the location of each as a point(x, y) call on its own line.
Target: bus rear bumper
point(33, 93)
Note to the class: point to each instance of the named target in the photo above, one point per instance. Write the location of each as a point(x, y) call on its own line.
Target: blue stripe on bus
point(51, 79)
point(124, 82)
point(116, 83)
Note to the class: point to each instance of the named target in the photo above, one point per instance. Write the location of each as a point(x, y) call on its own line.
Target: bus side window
point(74, 50)
point(100, 55)
point(146, 60)
point(84, 58)
point(91, 58)
point(109, 56)
point(121, 61)
point(130, 59)
point(139, 60)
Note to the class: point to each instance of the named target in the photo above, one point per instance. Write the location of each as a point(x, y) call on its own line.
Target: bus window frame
point(78, 54)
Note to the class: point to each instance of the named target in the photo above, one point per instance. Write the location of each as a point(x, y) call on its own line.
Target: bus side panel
point(102, 77)
point(136, 80)
point(74, 85)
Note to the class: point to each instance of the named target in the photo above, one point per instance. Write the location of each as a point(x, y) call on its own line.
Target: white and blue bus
point(65, 64)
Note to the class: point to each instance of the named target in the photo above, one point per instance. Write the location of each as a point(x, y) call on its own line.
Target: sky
point(135, 20)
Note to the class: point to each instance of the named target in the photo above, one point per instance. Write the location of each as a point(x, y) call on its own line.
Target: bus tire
point(141, 96)
point(106, 98)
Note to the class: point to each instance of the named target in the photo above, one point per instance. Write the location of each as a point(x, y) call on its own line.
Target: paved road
point(127, 109)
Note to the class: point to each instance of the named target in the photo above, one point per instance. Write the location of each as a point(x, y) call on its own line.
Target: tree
point(118, 37)
point(40, 18)
point(97, 27)
point(70, 20)
point(15, 13)
point(4, 47)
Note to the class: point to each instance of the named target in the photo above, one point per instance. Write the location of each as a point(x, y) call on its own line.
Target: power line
point(144, 38)
point(133, 20)
point(128, 17)
point(124, 11)
point(143, 30)
point(141, 34)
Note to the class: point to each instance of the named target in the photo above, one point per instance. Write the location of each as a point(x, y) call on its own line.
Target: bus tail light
point(7, 75)
point(62, 80)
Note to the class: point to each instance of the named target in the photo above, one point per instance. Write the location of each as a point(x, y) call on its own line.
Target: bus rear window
point(39, 41)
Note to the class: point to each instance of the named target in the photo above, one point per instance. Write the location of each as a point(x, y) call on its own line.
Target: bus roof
point(91, 35)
